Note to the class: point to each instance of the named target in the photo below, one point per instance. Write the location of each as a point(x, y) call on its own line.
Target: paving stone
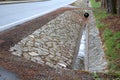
point(41, 52)
point(26, 55)
point(33, 53)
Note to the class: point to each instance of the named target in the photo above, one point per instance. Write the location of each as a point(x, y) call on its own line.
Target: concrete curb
point(17, 2)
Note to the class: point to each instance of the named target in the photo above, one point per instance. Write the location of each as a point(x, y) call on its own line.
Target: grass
point(95, 4)
point(112, 43)
point(111, 39)
point(96, 76)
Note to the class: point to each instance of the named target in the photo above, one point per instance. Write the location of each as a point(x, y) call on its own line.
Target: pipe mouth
point(86, 15)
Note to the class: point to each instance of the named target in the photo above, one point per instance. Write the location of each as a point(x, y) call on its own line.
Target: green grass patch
point(111, 39)
point(100, 14)
point(95, 4)
point(96, 76)
point(74, 4)
point(107, 34)
point(112, 44)
point(99, 24)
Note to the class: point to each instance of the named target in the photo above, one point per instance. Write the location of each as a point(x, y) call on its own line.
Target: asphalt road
point(15, 14)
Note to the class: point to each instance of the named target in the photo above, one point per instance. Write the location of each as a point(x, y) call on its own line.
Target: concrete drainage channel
point(78, 61)
point(90, 56)
point(54, 44)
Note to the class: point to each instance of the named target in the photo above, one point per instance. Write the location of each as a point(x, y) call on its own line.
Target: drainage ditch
point(54, 44)
point(79, 58)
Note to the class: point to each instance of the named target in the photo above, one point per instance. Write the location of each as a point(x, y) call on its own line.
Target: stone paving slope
point(53, 44)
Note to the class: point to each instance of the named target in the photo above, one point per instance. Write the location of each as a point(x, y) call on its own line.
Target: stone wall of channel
point(95, 57)
point(54, 44)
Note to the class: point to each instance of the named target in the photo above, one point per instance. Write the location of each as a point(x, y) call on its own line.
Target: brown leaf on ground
point(113, 23)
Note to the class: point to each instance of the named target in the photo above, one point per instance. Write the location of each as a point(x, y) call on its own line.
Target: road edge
point(17, 2)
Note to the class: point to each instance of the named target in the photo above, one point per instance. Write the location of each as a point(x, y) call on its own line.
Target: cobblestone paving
point(54, 44)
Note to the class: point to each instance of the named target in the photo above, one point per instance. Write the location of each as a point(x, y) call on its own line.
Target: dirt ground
point(113, 23)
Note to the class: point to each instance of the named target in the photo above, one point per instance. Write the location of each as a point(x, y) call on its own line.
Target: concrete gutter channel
point(74, 64)
point(18, 2)
point(94, 56)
